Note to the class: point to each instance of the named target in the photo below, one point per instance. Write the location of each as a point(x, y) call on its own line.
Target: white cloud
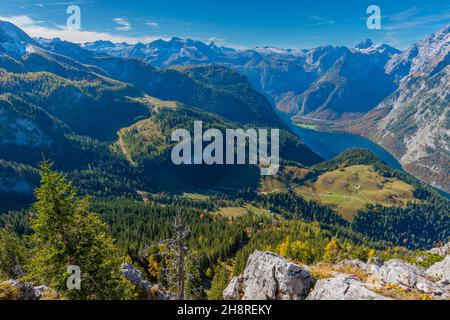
point(36, 28)
point(152, 24)
point(420, 21)
point(216, 40)
point(39, 29)
point(317, 18)
point(221, 42)
point(123, 23)
point(406, 14)
point(410, 18)
point(21, 21)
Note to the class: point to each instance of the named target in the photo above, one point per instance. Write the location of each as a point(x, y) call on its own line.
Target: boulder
point(441, 272)
point(27, 290)
point(408, 277)
point(343, 287)
point(442, 251)
point(355, 263)
point(269, 276)
point(373, 265)
point(234, 289)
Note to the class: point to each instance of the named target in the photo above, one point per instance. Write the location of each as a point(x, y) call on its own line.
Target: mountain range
point(318, 81)
point(399, 99)
point(85, 137)
point(93, 90)
point(413, 123)
point(108, 120)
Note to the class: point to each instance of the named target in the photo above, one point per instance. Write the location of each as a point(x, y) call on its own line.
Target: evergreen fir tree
point(67, 233)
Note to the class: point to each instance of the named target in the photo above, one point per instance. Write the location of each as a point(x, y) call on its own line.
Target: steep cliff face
point(419, 55)
point(356, 83)
point(414, 122)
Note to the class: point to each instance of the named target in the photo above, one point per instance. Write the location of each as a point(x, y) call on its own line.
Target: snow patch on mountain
point(13, 41)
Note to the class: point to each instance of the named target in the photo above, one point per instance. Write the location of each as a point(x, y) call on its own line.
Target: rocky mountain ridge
point(317, 81)
point(269, 276)
point(413, 123)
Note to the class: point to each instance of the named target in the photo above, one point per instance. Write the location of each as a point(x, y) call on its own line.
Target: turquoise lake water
point(330, 144)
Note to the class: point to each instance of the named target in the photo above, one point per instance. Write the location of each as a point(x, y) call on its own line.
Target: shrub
point(8, 291)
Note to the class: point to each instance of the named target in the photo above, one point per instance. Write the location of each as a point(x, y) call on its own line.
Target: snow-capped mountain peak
point(369, 47)
point(364, 44)
point(13, 41)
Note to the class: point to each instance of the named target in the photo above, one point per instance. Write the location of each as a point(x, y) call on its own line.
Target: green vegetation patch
point(350, 189)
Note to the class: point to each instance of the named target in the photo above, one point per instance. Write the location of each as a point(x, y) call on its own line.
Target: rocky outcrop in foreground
point(442, 251)
point(407, 277)
point(27, 290)
point(343, 287)
point(18, 290)
point(440, 271)
point(269, 276)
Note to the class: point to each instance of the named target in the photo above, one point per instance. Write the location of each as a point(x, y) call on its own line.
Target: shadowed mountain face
point(356, 83)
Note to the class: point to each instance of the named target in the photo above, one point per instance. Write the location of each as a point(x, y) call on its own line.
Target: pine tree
point(67, 234)
point(219, 282)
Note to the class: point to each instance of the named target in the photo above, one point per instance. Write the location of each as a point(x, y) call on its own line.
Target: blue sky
point(241, 24)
